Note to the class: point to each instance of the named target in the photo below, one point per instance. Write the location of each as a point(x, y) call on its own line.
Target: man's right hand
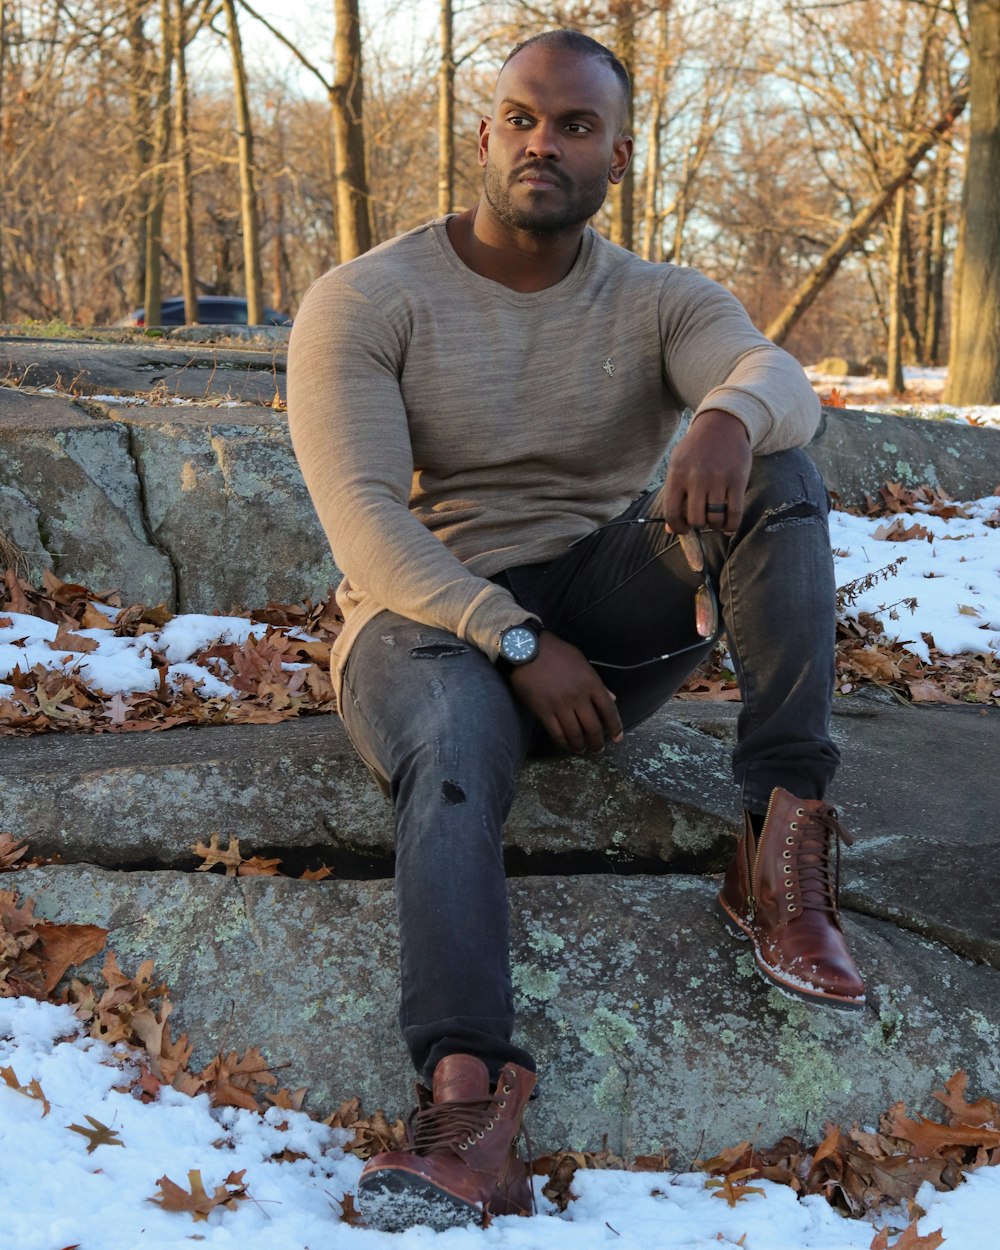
point(567, 697)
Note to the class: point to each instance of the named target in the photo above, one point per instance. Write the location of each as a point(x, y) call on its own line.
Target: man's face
point(554, 141)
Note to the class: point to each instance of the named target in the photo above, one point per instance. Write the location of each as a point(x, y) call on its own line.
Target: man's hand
point(566, 695)
point(710, 465)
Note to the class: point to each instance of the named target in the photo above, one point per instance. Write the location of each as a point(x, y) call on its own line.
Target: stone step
point(918, 788)
point(649, 1023)
point(203, 507)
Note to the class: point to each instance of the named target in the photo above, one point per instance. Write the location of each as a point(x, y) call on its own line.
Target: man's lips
point(539, 178)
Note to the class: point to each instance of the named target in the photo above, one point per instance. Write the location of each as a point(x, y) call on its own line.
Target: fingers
point(570, 701)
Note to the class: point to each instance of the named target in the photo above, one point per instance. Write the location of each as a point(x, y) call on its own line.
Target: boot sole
point(801, 993)
point(393, 1200)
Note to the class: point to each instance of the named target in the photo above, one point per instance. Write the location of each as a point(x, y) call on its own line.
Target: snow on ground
point(57, 1195)
point(924, 387)
point(954, 576)
point(125, 665)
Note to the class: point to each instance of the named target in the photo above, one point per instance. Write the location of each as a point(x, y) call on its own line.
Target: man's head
point(556, 137)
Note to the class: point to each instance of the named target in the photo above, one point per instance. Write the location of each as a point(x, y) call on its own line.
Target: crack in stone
point(175, 575)
point(985, 951)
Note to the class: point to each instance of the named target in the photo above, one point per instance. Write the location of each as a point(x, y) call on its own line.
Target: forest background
point(836, 163)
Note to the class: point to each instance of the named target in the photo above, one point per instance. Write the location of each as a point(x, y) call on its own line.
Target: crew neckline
point(439, 229)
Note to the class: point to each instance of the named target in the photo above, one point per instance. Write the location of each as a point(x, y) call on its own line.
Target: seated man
point(477, 407)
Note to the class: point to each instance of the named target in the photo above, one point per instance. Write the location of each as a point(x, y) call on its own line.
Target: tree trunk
point(140, 114)
point(182, 154)
point(446, 113)
point(864, 220)
point(248, 191)
point(3, 212)
point(934, 317)
point(894, 365)
point(622, 197)
point(157, 188)
point(354, 229)
point(974, 366)
point(654, 140)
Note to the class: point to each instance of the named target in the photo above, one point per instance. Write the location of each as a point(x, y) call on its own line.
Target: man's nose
point(544, 142)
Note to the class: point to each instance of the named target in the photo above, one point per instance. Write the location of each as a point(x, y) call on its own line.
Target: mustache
point(544, 168)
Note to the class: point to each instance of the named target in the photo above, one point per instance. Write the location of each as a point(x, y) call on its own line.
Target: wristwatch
point(519, 644)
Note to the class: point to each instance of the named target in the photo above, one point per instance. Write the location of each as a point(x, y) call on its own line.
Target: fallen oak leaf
point(213, 854)
point(97, 1135)
point(928, 1138)
point(31, 1090)
point(349, 1213)
point(984, 1113)
point(11, 851)
point(198, 1202)
point(730, 1189)
point(909, 1239)
point(65, 945)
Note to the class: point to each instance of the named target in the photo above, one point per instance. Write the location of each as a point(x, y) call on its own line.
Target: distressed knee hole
point(437, 650)
point(800, 513)
point(452, 792)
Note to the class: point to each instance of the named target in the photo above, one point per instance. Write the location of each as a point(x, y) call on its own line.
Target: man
point(477, 407)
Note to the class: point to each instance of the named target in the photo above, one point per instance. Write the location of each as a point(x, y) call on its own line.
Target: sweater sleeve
point(350, 433)
point(714, 357)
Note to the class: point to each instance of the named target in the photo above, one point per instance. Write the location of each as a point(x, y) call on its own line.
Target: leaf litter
point(879, 1174)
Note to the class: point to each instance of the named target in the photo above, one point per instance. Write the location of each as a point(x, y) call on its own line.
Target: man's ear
point(621, 154)
point(484, 138)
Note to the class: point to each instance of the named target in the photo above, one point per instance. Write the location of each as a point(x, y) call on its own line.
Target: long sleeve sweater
point(449, 427)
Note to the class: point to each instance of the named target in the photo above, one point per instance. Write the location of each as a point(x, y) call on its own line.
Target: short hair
point(576, 41)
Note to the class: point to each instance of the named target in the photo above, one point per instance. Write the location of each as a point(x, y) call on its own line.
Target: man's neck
point(517, 259)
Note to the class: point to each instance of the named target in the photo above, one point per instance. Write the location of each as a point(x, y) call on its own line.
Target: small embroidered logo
point(609, 367)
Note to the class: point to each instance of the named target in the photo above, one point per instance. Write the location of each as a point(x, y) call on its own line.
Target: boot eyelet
point(793, 825)
point(501, 1105)
point(463, 1145)
point(789, 896)
point(787, 869)
point(489, 1127)
point(800, 811)
point(506, 1090)
point(786, 854)
point(789, 841)
point(480, 1134)
point(470, 1141)
point(792, 907)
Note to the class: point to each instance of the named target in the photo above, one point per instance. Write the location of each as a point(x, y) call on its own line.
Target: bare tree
point(354, 225)
point(157, 181)
point(974, 366)
point(248, 190)
point(446, 110)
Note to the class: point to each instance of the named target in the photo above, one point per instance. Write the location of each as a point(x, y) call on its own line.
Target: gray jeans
point(437, 722)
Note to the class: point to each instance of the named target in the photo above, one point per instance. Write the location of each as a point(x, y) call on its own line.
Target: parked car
point(213, 310)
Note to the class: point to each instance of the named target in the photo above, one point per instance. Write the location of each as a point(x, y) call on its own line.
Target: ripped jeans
point(434, 719)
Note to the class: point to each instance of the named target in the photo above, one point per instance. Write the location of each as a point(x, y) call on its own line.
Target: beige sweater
point(448, 427)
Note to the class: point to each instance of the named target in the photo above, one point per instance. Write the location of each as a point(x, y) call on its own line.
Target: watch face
point(518, 645)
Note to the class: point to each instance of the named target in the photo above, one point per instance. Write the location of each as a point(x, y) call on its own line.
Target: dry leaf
point(97, 1135)
point(909, 1239)
point(31, 1090)
point(198, 1203)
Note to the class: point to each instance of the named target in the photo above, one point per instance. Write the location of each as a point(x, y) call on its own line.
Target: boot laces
point(818, 879)
point(450, 1124)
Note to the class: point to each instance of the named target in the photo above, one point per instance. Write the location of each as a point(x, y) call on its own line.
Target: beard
point(579, 203)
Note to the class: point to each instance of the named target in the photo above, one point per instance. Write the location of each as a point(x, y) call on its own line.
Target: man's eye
point(578, 128)
point(519, 122)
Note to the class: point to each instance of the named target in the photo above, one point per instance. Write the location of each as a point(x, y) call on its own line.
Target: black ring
point(717, 507)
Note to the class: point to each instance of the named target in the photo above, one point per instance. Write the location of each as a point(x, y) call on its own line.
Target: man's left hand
point(709, 466)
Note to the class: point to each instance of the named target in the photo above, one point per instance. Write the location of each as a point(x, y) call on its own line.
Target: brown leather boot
point(781, 892)
point(462, 1162)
